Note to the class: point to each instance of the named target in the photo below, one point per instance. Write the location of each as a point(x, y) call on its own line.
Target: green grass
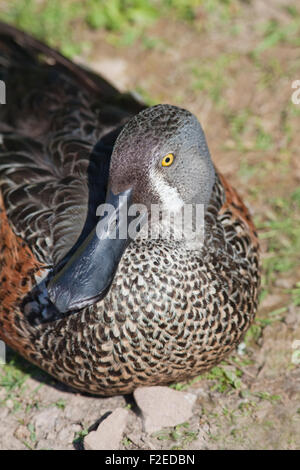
point(125, 21)
point(61, 404)
point(267, 396)
point(295, 292)
point(57, 22)
point(281, 229)
point(275, 33)
point(211, 77)
point(13, 376)
point(127, 442)
point(248, 133)
point(224, 379)
point(181, 435)
point(79, 437)
point(51, 21)
point(255, 331)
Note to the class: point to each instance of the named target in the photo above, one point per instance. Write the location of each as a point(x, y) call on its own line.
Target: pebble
point(109, 432)
point(45, 420)
point(22, 433)
point(163, 407)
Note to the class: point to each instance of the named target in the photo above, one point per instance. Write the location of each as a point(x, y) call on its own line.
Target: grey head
point(137, 159)
point(160, 157)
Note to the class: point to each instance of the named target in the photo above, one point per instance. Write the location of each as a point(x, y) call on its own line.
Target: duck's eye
point(168, 159)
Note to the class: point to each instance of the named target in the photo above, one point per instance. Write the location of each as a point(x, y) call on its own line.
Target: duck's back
point(57, 130)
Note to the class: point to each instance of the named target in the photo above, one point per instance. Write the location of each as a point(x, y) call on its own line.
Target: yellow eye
point(168, 159)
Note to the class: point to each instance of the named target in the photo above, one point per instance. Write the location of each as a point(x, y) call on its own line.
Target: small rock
point(9, 404)
point(46, 444)
point(162, 407)
point(45, 420)
point(109, 432)
point(22, 433)
point(66, 434)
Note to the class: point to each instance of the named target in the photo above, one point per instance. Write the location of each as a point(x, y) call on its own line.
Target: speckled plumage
point(171, 312)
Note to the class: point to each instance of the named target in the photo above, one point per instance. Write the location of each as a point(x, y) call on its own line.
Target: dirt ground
point(235, 72)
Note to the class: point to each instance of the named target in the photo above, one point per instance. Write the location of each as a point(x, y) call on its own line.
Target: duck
point(103, 314)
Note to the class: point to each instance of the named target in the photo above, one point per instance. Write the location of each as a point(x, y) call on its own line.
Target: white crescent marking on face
point(170, 197)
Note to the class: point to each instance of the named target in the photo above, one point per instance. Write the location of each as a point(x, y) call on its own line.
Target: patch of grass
point(31, 428)
point(237, 123)
point(248, 170)
point(275, 33)
point(295, 292)
point(51, 21)
point(263, 140)
point(180, 434)
point(79, 436)
point(183, 385)
point(185, 9)
point(151, 42)
point(248, 133)
point(271, 71)
point(56, 22)
point(224, 378)
point(255, 331)
point(281, 229)
point(296, 197)
point(61, 404)
point(33, 405)
point(267, 396)
point(28, 445)
point(211, 78)
point(224, 10)
point(126, 442)
point(119, 15)
point(247, 407)
point(126, 20)
point(13, 376)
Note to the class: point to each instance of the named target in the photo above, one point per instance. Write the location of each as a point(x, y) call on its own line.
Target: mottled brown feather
point(234, 202)
point(169, 314)
point(18, 266)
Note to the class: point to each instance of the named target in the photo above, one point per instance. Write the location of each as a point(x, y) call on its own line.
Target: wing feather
point(57, 132)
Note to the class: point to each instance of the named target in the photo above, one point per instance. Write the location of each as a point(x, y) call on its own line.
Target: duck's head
point(160, 157)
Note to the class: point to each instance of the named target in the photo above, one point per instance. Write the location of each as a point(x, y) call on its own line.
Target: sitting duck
point(103, 314)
